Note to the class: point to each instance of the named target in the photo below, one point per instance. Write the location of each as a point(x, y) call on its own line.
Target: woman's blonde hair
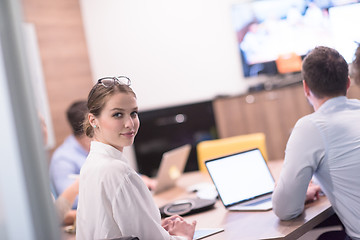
point(97, 99)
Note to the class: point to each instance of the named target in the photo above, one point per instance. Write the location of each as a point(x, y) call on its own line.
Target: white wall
point(175, 51)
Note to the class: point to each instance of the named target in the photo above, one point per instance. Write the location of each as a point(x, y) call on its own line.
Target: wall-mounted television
point(274, 35)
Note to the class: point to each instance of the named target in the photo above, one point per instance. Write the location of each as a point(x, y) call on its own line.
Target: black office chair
point(126, 238)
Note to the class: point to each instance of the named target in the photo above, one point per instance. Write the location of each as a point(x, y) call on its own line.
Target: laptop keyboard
point(258, 202)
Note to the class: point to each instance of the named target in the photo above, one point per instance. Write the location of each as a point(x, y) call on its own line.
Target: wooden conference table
point(245, 225)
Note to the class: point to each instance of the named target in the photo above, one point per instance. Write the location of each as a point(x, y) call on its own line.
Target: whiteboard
point(37, 79)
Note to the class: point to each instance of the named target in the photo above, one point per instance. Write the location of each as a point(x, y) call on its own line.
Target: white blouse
point(114, 201)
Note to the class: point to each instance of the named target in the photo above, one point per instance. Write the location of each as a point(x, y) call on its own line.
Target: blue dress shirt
point(67, 159)
point(325, 144)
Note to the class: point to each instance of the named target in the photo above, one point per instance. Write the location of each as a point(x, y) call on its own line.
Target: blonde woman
point(113, 199)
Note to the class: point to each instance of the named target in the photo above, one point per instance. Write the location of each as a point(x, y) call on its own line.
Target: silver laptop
point(243, 181)
point(171, 168)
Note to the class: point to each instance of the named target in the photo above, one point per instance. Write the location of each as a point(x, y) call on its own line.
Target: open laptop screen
point(241, 176)
point(172, 166)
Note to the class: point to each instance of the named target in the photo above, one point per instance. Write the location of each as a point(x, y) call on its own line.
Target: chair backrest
point(219, 147)
point(126, 238)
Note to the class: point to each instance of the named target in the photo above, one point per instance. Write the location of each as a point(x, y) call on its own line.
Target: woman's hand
point(177, 226)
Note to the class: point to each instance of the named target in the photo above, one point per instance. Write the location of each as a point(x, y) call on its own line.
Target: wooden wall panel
point(64, 55)
point(271, 112)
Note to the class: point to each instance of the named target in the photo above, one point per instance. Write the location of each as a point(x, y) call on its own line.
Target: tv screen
point(274, 35)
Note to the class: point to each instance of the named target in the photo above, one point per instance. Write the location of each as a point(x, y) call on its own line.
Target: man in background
point(324, 144)
point(69, 157)
point(356, 66)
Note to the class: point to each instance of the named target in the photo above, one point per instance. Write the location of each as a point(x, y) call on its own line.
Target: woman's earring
point(94, 126)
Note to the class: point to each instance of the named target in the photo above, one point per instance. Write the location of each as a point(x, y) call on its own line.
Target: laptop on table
point(172, 166)
point(243, 181)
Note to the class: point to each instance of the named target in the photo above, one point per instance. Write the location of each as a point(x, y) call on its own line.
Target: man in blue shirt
point(324, 144)
point(69, 157)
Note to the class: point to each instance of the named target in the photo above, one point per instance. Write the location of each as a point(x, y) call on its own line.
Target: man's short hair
point(76, 115)
point(326, 72)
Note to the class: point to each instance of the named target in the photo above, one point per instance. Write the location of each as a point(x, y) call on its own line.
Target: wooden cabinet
point(273, 112)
